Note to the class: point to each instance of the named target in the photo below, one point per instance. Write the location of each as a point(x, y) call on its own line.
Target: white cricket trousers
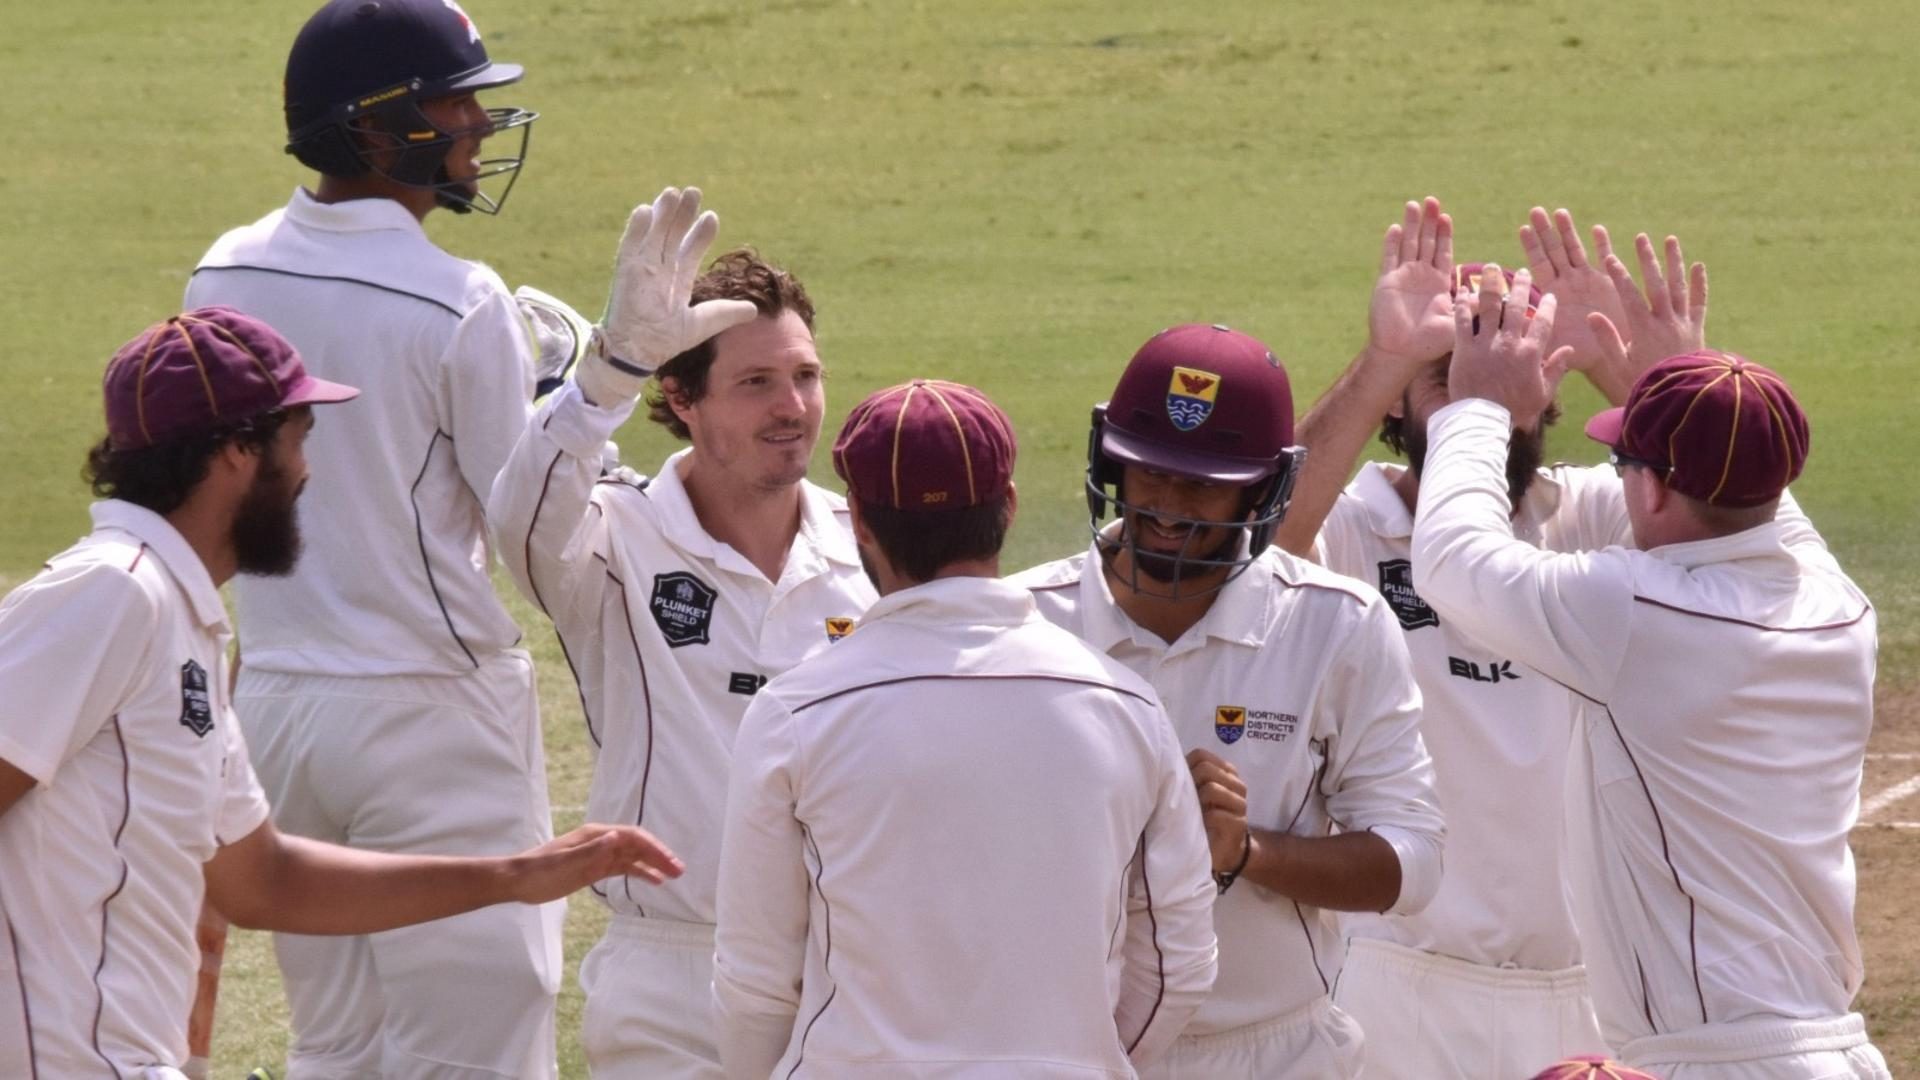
point(1314, 1042)
point(445, 765)
point(1835, 1049)
point(649, 1014)
point(1430, 1017)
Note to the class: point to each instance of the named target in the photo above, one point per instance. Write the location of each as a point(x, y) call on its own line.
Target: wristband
point(1223, 880)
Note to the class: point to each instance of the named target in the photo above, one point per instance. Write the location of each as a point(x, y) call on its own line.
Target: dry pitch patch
point(1887, 856)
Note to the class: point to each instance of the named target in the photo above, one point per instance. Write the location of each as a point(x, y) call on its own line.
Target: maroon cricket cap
point(1202, 401)
point(1726, 430)
point(201, 372)
point(926, 445)
point(1593, 1067)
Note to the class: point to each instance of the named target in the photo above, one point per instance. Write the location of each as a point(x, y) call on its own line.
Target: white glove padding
point(648, 320)
point(560, 337)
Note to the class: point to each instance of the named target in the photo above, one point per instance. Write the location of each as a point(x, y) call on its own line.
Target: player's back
point(395, 575)
point(972, 795)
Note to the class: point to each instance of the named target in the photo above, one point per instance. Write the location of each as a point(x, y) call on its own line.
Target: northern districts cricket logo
point(683, 608)
point(1229, 722)
point(1190, 397)
point(838, 626)
point(196, 707)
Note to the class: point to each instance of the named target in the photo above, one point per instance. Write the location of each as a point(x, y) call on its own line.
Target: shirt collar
point(971, 601)
point(1761, 541)
point(353, 215)
point(823, 532)
point(173, 551)
point(1238, 613)
point(1389, 517)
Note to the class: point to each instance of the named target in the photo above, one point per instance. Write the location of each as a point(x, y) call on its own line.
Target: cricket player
point(940, 832)
point(385, 697)
point(676, 598)
point(1723, 672)
point(1487, 980)
point(1287, 684)
point(125, 792)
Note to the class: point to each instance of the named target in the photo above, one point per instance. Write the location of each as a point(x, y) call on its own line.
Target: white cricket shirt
point(669, 632)
point(394, 579)
point(1299, 677)
point(1725, 694)
point(1497, 729)
point(114, 673)
point(941, 836)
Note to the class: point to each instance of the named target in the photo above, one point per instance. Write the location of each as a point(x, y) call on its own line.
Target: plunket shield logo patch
point(196, 705)
point(1190, 397)
point(682, 608)
point(1229, 722)
point(1396, 586)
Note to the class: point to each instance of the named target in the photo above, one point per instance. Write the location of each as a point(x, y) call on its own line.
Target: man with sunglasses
point(385, 700)
point(1287, 685)
point(1722, 677)
point(1488, 979)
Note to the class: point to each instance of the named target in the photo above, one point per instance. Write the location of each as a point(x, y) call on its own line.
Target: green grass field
point(1016, 195)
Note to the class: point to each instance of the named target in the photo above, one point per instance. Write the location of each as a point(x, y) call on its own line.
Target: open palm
point(1411, 314)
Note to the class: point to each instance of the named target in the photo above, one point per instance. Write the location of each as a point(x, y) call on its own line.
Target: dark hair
point(1393, 429)
point(161, 477)
point(920, 543)
point(740, 274)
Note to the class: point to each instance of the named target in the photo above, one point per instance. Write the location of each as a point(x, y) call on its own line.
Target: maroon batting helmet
point(1205, 403)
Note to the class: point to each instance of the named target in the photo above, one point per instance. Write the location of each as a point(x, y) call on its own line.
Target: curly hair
point(161, 477)
point(740, 274)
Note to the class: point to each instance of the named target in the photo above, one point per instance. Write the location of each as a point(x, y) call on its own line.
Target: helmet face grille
point(1188, 572)
point(356, 77)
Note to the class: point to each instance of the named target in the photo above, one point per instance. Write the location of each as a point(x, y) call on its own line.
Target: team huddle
point(1475, 767)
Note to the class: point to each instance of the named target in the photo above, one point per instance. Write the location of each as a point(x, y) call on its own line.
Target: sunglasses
point(1621, 461)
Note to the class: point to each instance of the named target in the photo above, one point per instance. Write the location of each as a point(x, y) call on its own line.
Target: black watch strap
point(1224, 879)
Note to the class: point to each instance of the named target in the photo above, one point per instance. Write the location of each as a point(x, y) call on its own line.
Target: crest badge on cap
point(1190, 396)
point(1229, 722)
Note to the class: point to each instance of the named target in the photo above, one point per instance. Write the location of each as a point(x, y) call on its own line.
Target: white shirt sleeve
point(1379, 777)
point(73, 647)
point(540, 510)
point(1593, 509)
point(243, 805)
point(1565, 615)
point(1169, 954)
point(760, 937)
point(486, 377)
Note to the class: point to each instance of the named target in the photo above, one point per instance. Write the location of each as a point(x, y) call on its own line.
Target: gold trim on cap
point(966, 454)
point(199, 365)
point(899, 422)
point(235, 341)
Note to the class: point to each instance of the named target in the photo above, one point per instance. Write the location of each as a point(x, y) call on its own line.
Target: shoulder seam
point(449, 309)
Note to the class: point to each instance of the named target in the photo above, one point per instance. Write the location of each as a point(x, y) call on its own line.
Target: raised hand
point(1558, 260)
point(1669, 320)
point(1504, 358)
point(648, 320)
point(1410, 316)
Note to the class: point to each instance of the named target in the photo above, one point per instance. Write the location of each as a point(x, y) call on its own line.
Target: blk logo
point(1496, 670)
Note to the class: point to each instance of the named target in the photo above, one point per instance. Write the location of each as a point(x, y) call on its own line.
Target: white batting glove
point(648, 320)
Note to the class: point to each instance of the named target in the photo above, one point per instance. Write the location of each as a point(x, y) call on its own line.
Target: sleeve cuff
point(577, 425)
point(1419, 855)
point(1480, 408)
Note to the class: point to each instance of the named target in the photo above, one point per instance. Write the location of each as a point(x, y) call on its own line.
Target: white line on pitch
point(1903, 826)
point(1890, 796)
point(1894, 755)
